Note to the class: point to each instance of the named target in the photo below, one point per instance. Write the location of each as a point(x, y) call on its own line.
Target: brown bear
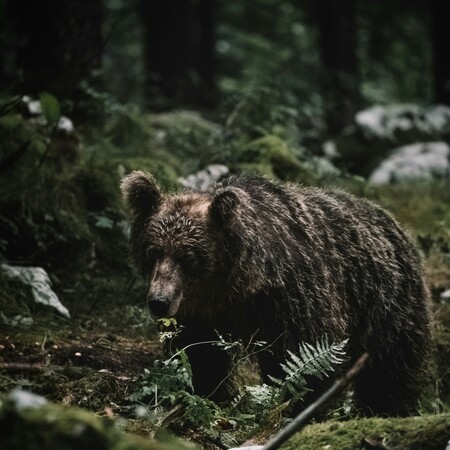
point(258, 259)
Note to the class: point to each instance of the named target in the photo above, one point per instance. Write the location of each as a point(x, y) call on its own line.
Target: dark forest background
point(328, 58)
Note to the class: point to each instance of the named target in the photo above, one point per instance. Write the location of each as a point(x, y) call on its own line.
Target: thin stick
point(23, 367)
point(302, 419)
point(37, 368)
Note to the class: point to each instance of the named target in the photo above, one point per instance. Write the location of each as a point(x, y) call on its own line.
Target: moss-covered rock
point(96, 186)
point(53, 217)
point(418, 433)
point(187, 136)
point(128, 128)
point(274, 157)
point(29, 422)
point(166, 168)
point(168, 145)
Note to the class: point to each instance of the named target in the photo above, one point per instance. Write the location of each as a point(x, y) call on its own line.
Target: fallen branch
point(23, 367)
point(302, 419)
point(37, 368)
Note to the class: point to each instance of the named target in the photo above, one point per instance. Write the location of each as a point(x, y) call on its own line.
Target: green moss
point(22, 147)
point(96, 185)
point(187, 136)
point(423, 207)
point(423, 210)
point(261, 168)
point(128, 128)
point(51, 427)
point(272, 156)
point(165, 170)
point(420, 433)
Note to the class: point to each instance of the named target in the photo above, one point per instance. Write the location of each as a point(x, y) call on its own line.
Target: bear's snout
point(159, 305)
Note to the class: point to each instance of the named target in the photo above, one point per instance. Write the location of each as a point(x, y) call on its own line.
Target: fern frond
point(318, 360)
point(276, 381)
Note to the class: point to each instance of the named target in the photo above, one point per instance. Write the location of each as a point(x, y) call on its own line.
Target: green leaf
point(104, 222)
point(167, 322)
point(50, 107)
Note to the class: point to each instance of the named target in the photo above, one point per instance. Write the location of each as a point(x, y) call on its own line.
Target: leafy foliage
point(164, 380)
point(318, 361)
point(257, 403)
point(50, 107)
point(169, 383)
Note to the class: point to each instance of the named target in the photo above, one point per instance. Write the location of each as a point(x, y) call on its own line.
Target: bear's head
point(178, 241)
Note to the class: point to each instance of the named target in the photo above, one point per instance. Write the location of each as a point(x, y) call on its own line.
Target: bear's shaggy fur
point(276, 262)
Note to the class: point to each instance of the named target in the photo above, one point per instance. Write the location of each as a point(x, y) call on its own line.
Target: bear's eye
point(188, 259)
point(152, 254)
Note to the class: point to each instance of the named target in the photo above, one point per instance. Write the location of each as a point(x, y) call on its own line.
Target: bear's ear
point(140, 192)
point(225, 204)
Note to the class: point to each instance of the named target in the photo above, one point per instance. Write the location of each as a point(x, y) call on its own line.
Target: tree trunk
point(179, 52)
point(60, 43)
point(337, 31)
point(205, 57)
point(441, 51)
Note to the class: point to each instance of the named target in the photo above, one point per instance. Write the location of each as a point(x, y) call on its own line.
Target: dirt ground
point(72, 366)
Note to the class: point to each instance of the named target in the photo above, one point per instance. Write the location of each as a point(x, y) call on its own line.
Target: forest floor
point(96, 365)
point(89, 363)
point(70, 221)
point(76, 365)
point(97, 359)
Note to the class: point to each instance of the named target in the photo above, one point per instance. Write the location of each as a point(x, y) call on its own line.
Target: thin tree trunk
point(179, 52)
point(441, 50)
point(205, 62)
point(337, 27)
point(60, 43)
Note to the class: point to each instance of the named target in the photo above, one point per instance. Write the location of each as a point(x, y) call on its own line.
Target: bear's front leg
point(211, 365)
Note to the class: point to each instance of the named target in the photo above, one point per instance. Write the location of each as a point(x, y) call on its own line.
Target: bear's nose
point(158, 305)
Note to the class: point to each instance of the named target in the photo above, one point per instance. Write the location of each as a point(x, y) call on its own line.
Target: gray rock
point(23, 399)
point(428, 161)
point(378, 130)
point(65, 125)
point(204, 178)
point(39, 281)
point(394, 121)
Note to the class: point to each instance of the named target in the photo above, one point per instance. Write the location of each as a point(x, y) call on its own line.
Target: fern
point(317, 361)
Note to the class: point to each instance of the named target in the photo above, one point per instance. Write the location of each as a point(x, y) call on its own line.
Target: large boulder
point(378, 130)
point(424, 161)
point(404, 122)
